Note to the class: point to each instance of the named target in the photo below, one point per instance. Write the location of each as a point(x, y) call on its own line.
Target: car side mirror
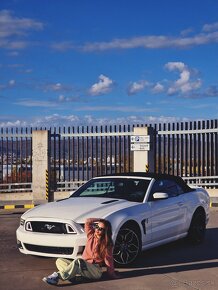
point(160, 195)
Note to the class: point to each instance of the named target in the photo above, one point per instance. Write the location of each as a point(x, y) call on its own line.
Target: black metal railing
point(188, 149)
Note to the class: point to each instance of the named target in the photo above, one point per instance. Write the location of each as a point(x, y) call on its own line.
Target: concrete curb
point(213, 204)
point(13, 206)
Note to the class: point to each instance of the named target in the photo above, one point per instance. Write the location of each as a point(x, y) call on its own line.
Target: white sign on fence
point(140, 139)
point(140, 147)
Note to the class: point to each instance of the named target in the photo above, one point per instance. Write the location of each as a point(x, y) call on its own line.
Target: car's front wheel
point(197, 228)
point(127, 246)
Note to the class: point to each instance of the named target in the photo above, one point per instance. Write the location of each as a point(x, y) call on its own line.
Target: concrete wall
point(40, 159)
point(144, 159)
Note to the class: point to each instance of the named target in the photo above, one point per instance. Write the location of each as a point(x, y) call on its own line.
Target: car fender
point(119, 218)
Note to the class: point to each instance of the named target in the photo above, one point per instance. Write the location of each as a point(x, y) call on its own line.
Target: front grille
point(49, 227)
point(49, 250)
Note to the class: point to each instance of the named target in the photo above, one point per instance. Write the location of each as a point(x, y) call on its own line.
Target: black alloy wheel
point(127, 247)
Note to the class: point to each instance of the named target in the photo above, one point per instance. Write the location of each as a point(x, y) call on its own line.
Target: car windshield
point(131, 189)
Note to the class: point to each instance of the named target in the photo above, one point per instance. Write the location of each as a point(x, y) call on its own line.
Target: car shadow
point(180, 252)
point(177, 256)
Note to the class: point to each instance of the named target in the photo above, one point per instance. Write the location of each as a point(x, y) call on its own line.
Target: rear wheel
point(127, 246)
point(197, 228)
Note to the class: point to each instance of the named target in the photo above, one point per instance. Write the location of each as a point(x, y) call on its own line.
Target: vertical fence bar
point(21, 156)
point(7, 155)
point(208, 160)
point(91, 162)
point(187, 152)
point(106, 150)
point(182, 150)
point(177, 150)
point(78, 157)
point(59, 154)
point(128, 149)
point(31, 159)
point(195, 151)
point(55, 157)
point(173, 149)
point(83, 154)
point(159, 151)
point(69, 156)
point(169, 149)
point(216, 149)
point(203, 156)
point(115, 148)
point(86, 153)
point(111, 153)
point(96, 153)
point(164, 150)
point(73, 154)
point(64, 155)
point(11, 161)
point(191, 152)
point(120, 148)
point(16, 167)
point(212, 157)
point(26, 156)
point(199, 150)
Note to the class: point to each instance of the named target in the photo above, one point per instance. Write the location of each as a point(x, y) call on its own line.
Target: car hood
point(78, 208)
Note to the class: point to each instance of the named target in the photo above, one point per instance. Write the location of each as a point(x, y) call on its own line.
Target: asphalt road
point(174, 266)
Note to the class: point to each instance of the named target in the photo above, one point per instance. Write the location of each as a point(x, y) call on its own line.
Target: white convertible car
point(146, 210)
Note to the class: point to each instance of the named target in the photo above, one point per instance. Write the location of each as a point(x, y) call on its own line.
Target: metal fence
point(84, 152)
point(15, 157)
point(188, 149)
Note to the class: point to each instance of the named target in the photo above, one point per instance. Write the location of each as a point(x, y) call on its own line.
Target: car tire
point(127, 246)
point(197, 228)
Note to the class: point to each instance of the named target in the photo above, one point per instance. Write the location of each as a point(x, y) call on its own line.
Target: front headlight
point(22, 222)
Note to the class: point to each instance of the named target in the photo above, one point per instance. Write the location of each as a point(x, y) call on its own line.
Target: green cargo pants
point(68, 269)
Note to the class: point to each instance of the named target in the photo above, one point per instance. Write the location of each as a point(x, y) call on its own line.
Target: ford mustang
point(145, 209)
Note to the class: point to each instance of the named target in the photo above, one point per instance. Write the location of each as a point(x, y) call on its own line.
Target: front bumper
point(50, 245)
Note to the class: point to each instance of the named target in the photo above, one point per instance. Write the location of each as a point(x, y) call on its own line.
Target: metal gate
point(188, 149)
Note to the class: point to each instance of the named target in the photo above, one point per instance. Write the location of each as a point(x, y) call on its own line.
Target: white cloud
point(209, 34)
point(9, 85)
point(184, 84)
point(137, 87)
point(158, 88)
point(210, 27)
point(35, 103)
point(56, 120)
point(12, 27)
point(55, 87)
point(104, 86)
point(116, 109)
point(64, 99)
point(11, 82)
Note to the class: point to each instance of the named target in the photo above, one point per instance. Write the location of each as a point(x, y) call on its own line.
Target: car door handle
point(180, 203)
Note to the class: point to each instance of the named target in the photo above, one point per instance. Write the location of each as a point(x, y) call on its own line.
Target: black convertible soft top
point(157, 176)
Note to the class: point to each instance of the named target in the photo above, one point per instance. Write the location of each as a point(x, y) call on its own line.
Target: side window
point(173, 189)
point(166, 185)
point(158, 186)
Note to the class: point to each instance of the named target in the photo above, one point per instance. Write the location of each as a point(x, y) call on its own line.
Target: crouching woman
point(98, 252)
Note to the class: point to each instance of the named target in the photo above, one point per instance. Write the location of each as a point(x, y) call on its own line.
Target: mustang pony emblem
point(49, 227)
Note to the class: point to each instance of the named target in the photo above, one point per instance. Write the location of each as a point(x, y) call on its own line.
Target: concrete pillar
point(40, 163)
point(143, 159)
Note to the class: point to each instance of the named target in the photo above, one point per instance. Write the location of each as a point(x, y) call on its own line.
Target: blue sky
point(93, 62)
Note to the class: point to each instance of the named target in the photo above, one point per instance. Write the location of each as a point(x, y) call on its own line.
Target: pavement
point(176, 266)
